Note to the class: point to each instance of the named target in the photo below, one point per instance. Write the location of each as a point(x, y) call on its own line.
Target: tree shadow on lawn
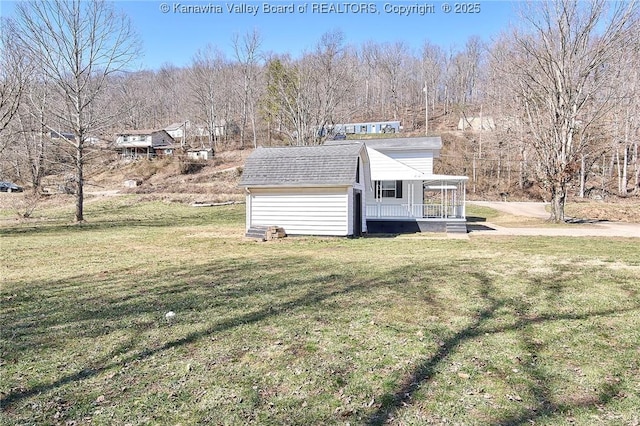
point(44, 228)
point(219, 283)
point(74, 301)
point(126, 216)
point(223, 282)
point(393, 403)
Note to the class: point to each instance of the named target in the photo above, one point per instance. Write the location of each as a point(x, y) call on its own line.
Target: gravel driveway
point(537, 210)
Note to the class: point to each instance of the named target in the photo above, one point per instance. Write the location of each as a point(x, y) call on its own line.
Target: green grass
point(309, 330)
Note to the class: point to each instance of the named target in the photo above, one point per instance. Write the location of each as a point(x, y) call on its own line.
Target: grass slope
point(310, 330)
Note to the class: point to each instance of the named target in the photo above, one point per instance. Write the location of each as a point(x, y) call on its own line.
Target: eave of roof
point(405, 144)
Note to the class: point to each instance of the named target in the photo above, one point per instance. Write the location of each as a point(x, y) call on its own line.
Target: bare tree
point(247, 52)
point(286, 101)
point(433, 59)
point(624, 120)
point(330, 80)
point(306, 95)
point(13, 75)
point(562, 62)
point(206, 81)
point(76, 45)
point(31, 132)
point(391, 60)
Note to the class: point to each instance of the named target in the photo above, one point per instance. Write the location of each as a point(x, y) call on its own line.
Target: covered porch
point(436, 204)
point(439, 197)
point(407, 197)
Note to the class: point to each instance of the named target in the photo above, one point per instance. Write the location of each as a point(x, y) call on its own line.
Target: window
point(388, 189)
point(358, 172)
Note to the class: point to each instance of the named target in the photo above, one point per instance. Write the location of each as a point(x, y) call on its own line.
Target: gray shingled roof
point(300, 166)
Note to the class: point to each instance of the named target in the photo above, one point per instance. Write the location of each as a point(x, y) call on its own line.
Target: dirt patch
point(623, 210)
point(537, 211)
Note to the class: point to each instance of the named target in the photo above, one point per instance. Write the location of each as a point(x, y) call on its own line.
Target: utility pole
point(426, 110)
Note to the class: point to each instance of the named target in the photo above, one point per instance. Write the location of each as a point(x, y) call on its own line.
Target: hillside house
point(396, 186)
point(476, 124)
point(180, 131)
point(70, 136)
point(144, 144)
point(371, 127)
point(200, 154)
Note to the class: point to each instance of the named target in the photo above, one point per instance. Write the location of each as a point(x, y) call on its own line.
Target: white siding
point(301, 211)
point(419, 160)
point(350, 214)
point(416, 195)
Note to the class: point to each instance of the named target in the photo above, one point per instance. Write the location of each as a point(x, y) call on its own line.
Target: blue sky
point(176, 35)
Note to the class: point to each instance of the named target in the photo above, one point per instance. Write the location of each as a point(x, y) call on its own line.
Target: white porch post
point(446, 199)
point(464, 199)
point(378, 197)
point(443, 200)
point(410, 198)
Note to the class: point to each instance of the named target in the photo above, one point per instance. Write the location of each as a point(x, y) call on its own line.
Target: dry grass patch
point(623, 210)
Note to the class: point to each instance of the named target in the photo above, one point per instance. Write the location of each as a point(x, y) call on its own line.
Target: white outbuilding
point(311, 190)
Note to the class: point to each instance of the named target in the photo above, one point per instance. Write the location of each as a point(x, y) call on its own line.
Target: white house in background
point(200, 154)
point(144, 143)
point(178, 130)
point(312, 190)
point(476, 124)
point(219, 128)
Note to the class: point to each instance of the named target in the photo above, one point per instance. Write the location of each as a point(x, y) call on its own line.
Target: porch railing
point(413, 211)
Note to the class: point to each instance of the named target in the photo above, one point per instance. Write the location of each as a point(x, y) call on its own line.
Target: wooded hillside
point(551, 104)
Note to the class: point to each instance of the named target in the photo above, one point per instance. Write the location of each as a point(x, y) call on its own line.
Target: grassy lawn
point(309, 331)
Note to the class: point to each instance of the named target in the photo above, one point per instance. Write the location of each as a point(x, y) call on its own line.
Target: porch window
point(388, 189)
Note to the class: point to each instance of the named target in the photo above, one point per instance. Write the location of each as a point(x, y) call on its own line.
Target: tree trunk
point(636, 162)
point(558, 198)
point(582, 176)
point(80, 182)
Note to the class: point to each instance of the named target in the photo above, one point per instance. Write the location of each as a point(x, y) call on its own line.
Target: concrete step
point(456, 227)
point(257, 232)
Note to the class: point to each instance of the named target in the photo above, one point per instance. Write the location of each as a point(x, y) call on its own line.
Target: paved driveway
point(537, 210)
